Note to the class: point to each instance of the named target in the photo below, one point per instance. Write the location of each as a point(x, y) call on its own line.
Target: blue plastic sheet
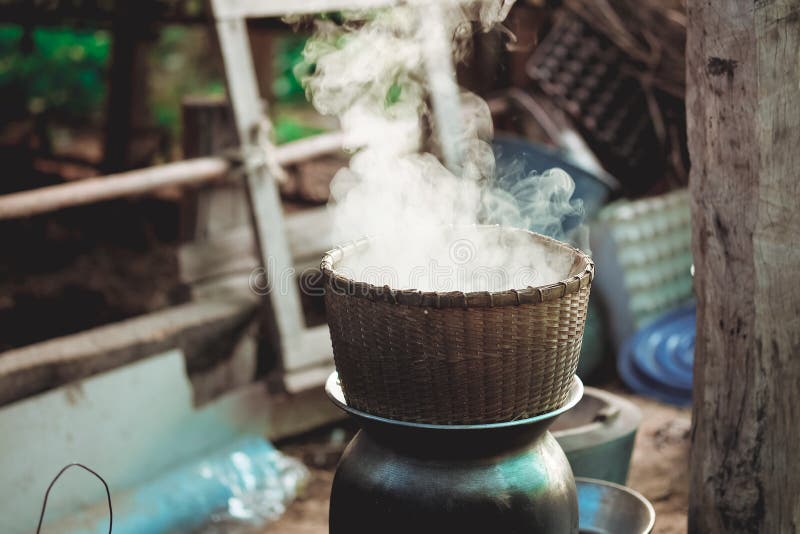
point(248, 483)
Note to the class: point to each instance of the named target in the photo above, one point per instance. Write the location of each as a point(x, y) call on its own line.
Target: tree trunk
point(743, 110)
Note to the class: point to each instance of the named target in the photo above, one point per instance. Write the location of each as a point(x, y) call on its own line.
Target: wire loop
point(52, 483)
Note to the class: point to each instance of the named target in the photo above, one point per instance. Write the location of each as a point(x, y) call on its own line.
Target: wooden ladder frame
point(305, 353)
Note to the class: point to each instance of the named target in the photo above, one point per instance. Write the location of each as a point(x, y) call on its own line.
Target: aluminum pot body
point(512, 480)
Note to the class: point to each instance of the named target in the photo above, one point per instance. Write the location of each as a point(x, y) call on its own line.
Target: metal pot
point(409, 478)
point(607, 507)
point(598, 435)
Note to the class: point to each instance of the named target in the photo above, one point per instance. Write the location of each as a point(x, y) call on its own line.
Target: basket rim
point(342, 285)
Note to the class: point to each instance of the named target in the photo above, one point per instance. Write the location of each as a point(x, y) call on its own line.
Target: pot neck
point(457, 442)
point(453, 440)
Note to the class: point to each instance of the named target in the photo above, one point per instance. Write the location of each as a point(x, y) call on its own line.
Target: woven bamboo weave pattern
point(456, 358)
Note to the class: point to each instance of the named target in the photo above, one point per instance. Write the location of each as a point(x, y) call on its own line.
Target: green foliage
point(183, 62)
point(62, 72)
point(288, 129)
point(393, 94)
point(286, 85)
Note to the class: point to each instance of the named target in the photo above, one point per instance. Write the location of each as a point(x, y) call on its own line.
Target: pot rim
point(624, 489)
point(623, 420)
point(335, 393)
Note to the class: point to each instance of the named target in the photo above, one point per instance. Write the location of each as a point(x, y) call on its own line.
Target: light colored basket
point(457, 358)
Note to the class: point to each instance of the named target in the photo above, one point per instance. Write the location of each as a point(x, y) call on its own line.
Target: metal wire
point(52, 483)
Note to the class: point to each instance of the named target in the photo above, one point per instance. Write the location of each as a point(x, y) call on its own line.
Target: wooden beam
point(126, 105)
point(190, 172)
point(307, 379)
point(312, 349)
point(89, 191)
point(209, 129)
point(284, 306)
point(206, 331)
point(94, 14)
point(234, 252)
point(238, 9)
point(743, 110)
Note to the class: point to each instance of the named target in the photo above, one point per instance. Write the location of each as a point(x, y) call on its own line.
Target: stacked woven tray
point(458, 358)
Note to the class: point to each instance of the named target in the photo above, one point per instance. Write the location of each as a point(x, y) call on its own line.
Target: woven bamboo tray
point(457, 358)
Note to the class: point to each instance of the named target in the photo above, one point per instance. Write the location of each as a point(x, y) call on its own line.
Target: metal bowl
point(608, 508)
point(517, 158)
point(597, 435)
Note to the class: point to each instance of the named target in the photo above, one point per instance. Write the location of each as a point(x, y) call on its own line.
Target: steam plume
point(379, 72)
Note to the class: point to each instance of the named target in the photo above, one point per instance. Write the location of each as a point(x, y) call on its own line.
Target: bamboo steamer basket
point(457, 358)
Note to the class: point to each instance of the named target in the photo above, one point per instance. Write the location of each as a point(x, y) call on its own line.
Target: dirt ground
point(659, 470)
point(660, 463)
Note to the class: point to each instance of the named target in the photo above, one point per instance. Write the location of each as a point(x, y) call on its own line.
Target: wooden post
point(264, 200)
point(263, 37)
point(209, 130)
point(209, 215)
point(127, 105)
point(743, 110)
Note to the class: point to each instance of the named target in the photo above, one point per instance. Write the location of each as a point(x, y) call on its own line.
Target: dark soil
point(84, 267)
point(78, 268)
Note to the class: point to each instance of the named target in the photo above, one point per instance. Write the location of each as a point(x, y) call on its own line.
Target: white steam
point(377, 73)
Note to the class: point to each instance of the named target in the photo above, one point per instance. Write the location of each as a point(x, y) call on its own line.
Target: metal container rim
point(625, 489)
point(335, 393)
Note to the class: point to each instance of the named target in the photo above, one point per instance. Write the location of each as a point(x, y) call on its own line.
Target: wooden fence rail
point(192, 172)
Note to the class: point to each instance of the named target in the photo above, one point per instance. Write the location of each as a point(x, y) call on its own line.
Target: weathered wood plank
point(214, 214)
point(314, 348)
point(234, 251)
point(306, 379)
point(278, 8)
point(265, 206)
point(309, 234)
point(205, 331)
point(209, 130)
point(297, 346)
point(192, 172)
point(743, 110)
point(237, 370)
point(138, 182)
